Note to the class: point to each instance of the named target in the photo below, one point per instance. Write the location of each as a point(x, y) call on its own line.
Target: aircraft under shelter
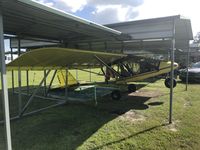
point(55, 40)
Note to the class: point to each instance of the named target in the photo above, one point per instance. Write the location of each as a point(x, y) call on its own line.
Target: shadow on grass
point(70, 125)
point(155, 103)
point(126, 138)
point(148, 81)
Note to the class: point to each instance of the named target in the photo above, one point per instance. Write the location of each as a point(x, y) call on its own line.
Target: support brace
point(51, 82)
point(32, 96)
point(102, 62)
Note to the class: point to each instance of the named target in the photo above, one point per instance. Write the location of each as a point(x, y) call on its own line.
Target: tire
point(132, 88)
point(168, 83)
point(116, 95)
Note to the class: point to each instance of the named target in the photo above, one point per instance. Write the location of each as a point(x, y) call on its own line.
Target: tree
point(197, 38)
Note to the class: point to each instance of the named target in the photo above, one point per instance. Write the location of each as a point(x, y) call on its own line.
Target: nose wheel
point(168, 83)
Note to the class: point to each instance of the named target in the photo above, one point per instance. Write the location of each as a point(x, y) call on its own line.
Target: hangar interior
point(30, 25)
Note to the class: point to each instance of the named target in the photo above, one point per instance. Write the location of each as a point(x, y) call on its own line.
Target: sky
point(112, 11)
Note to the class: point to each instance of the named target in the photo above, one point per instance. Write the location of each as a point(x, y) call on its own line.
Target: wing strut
point(109, 67)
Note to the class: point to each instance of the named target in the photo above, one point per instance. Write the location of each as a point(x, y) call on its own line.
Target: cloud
point(105, 16)
point(46, 2)
point(116, 2)
point(113, 13)
point(104, 11)
point(72, 5)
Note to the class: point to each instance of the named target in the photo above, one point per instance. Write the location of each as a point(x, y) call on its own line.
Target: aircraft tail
point(61, 75)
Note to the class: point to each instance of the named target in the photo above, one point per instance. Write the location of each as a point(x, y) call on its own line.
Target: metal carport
point(27, 19)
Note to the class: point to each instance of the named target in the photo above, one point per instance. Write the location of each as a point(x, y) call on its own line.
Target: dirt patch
point(132, 116)
point(173, 126)
point(146, 93)
point(187, 104)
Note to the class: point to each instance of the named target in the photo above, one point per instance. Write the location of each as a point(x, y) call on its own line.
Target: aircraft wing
point(60, 58)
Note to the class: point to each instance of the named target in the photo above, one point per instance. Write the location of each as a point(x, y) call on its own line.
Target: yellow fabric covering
point(61, 75)
point(60, 58)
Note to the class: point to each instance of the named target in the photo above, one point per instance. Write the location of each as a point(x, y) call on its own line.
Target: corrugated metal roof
point(156, 28)
point(28, 18)
point(147, 35)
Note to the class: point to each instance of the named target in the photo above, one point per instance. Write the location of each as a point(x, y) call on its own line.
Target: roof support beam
point(4, 86)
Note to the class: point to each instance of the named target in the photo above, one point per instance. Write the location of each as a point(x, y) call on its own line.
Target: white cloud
point(104, 15)
point(105, 11)
point(114, 13)
point(50, 4)
point(116, 2)
point(158, 8)
point(74, 5)
point(109, 11)
point(65, 5)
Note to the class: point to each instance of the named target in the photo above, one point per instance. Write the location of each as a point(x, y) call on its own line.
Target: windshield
point(196, 65)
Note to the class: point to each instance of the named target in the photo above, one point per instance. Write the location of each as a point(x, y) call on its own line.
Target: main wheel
point(132, 88)
point(168, 83)
point(116, 95)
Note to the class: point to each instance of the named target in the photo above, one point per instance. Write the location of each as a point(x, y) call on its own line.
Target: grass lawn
point(138, 121)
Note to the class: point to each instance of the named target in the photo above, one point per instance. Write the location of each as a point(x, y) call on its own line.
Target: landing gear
point(116, 95)
point(168, 83)
point(132, 88)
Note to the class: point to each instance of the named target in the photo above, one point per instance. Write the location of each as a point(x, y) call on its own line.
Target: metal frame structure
point(33, 95)
point(4, 86)
point(172, 74)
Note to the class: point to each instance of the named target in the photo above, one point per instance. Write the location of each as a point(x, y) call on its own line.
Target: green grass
point(135, 122)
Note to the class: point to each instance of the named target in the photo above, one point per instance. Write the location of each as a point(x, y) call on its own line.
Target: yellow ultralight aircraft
point(116, 68)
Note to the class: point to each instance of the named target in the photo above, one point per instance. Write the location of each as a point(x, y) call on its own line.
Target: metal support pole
point(172, 74)
point(33, 95)
point(188, 60)
point(4, 87)
point(66, 84)
point(19, 79)
point(27, 81)
point(13, 83)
